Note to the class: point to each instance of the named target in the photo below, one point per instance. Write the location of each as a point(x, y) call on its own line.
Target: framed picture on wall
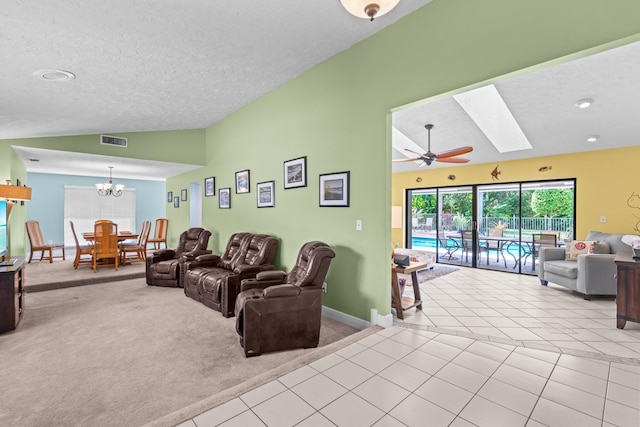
point(295, 173)
point(266, 196)
point(224, 198)
point(170, 197)
point(176, 202)
point(209, 187)
point(242, 182)
point(183, 195)
point(334, 189)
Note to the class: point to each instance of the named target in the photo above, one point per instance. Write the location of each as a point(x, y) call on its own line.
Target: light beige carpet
point(124, 354)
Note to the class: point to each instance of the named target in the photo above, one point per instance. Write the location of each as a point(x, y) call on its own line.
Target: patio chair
point(496, 246)
point(36, 242)
point(549, 240)
point(449, 245)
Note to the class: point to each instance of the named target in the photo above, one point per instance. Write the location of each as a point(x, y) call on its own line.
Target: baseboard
point(347, 319)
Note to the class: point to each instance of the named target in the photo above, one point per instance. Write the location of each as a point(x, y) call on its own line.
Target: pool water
point(430, 243)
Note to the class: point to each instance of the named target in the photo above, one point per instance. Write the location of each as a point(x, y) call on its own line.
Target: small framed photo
point(209, 187)
point(183, 195)
point(266, 196)
point(176, 202)
point(295, 173)
point(170, 197)
point(334, 189)
point(224, 198)
point(242, 182)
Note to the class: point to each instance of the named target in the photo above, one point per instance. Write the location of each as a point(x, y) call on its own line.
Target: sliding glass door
point(491, 226)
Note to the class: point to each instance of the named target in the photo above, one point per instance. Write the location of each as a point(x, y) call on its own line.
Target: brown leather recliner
point(215, 280)
point(163, 267)
point(279, 311)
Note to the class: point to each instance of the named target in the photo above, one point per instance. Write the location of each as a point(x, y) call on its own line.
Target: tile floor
point(490, 349)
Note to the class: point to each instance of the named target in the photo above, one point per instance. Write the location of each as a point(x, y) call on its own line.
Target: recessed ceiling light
point(584, 103)
point(54, 75)
point(593, 138)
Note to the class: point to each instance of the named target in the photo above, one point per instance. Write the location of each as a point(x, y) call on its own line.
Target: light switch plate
point(358, 224)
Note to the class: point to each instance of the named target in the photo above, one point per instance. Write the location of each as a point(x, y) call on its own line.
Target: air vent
point(113, 140)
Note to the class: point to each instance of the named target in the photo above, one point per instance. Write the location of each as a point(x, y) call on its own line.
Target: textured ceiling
point(150, 65)
point(543, 103)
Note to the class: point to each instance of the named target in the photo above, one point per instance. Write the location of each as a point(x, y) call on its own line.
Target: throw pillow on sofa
point(579, 247)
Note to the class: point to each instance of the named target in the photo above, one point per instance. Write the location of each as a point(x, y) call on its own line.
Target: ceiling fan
point(445, 157)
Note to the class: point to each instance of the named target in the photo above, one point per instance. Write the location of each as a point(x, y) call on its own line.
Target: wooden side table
point(628, 297)
point(399, 302)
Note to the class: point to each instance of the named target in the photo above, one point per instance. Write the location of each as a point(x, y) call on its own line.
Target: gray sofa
point(590, 274)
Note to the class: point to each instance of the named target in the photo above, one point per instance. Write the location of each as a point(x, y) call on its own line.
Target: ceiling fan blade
point(414, 152)
point(407, 160)
point(452, 160)
point(454, 152)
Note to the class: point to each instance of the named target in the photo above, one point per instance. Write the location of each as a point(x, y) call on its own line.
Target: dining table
point(122, 236)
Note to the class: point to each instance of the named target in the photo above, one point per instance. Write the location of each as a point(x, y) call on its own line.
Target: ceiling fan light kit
point(369, 9)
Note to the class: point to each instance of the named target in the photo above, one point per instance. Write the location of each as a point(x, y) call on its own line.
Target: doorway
point(195, 204)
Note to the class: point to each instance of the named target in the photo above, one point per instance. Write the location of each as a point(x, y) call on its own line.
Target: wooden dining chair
point(105, 243)
point(159, 233)
point(139, 248)
point(80, 249)
point(36, 242)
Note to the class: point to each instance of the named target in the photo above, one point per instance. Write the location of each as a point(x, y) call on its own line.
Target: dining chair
point(80, 249)
point(549, 240)
point(36, 242)
point(159, 233)
point(105, 243)
point(138, 248)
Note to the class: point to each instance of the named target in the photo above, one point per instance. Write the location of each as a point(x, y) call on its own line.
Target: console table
point(628, 298)
point(11, 294)
point(401, 303)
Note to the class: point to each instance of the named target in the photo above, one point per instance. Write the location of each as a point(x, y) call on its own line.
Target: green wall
point(337, 114)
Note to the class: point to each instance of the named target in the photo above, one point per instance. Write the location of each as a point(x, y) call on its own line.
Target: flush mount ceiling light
point(369, 9)
point(54, 75)
point(593, 138)
point(584, 103)
point(491, 114)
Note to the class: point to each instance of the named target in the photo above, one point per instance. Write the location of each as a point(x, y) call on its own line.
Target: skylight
point(488, 110)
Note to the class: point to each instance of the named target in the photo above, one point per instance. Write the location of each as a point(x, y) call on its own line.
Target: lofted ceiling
point(543, 104)
point(152, 65)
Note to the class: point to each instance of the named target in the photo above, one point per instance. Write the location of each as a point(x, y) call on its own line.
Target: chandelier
point(369, 9)
point(108, 189)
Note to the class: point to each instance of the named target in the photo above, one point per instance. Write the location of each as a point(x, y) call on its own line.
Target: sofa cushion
point(601, 248)
point(579, 247)
point(613, 240)
point(562, 268)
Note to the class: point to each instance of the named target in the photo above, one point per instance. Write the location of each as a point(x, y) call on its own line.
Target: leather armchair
point(215, 280)
point(280, 311)
point(163, 267)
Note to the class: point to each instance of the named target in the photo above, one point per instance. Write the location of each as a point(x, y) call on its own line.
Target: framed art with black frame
point(170, 197)
point(176, 202)
point(224, 198)
point(242, 182)
point(334, 189)
point(209, 187)
point(266, 196)
point(183, 194)
point(295, 173)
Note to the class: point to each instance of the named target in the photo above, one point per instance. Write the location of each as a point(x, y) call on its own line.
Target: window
point(84, 206)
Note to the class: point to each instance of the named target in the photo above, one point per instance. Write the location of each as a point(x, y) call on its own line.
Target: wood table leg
point(397, 298)
point(416, 289)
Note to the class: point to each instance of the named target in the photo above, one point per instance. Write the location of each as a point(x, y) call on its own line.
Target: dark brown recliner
point(215, 280)
point(279, 311)
point(163, 267)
